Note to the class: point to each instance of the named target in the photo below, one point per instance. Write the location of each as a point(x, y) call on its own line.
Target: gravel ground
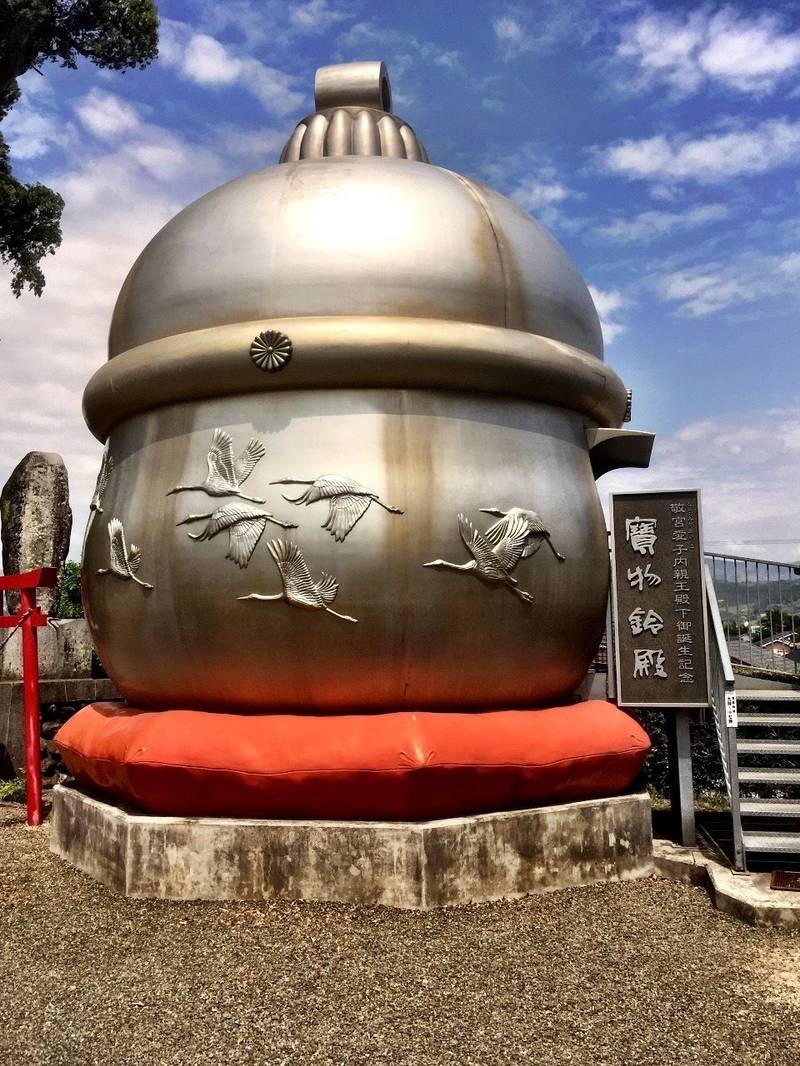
point(645, 973)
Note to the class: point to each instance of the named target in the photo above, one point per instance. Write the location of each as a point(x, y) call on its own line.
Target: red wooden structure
point(29, 618)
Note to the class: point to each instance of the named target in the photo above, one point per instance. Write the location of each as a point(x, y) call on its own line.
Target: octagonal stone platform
point(412, 865)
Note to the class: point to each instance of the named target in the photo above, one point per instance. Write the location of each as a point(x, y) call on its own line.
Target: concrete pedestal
point(413, 865)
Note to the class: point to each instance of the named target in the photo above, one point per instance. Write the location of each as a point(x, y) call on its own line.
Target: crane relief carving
point(518, 534)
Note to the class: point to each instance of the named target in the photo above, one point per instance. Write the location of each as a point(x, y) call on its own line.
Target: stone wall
point(60, 699)
point(65, 650)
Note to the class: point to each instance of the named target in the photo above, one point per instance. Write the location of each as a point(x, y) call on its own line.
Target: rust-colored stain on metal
point(785, 880)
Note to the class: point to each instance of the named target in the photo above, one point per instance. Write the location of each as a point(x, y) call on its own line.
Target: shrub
point(69, 593)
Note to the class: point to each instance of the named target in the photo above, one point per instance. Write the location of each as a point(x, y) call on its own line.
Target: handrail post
point(739, 857)
point(723, 706)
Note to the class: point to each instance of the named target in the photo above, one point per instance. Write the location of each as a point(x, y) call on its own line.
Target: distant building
point(746, 654)
point(781, 643)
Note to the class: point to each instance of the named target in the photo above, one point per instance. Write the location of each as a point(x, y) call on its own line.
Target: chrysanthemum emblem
point(271, 351)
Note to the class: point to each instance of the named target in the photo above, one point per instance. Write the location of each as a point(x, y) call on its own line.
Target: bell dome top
point(363, 266)
point(353, 117)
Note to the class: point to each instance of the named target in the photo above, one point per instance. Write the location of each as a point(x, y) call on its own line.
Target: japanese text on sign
point(661, 651)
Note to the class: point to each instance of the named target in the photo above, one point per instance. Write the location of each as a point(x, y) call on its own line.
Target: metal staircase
point(777, 766)
point(769, 763)
point(776, 711)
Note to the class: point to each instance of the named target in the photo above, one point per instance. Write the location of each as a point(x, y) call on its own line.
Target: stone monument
point(36, 521)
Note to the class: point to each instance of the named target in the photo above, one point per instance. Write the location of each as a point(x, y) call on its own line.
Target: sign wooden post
point(660, 633)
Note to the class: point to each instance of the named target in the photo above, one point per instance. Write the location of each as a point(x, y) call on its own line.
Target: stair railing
point(723, 705)
point(759, 600)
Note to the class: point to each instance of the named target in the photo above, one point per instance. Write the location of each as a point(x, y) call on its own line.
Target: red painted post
point(30, 682)
point(28, 619)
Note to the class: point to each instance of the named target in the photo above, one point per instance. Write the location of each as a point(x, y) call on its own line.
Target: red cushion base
point(402, 766)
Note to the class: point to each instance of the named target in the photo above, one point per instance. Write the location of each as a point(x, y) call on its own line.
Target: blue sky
point(660, 142)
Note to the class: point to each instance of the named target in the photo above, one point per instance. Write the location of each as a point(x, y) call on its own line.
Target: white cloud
point(790, 266)
point(715, 157)
point(250, 148)
point(789, 436)
point(533, 194)
point(272, 88)
point(205, 61)
point(106, 115)
point(163, 161)
point(687, 50)
point(519, 31)
point(530, 180)
point(117, 197)
point(700, 294)
point(31, 130)
point(315, 16)
point(648, 225)
point(707, 288)
point(276, 24)
point(608, 304)
point(402, 52)
point(747, 466)
point(541, 195)
point(512, 38)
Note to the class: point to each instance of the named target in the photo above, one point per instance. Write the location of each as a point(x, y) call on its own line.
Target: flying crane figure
point(124, 563)
point(226, 474)
point(299, 588)
point(244, 524)
point(537, 533)
point(349, 501)
point(106, 470)
point(491, 562)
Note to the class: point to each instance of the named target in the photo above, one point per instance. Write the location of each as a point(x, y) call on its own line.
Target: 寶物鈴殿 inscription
point(661, 648)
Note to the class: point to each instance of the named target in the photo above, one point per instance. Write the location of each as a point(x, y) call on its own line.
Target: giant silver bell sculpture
point(354, 406)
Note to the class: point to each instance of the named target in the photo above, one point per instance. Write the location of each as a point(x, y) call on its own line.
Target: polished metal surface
point(225, 473)
point(124, 562)
point(423, 639)
point(299, 587)
point(534, 531)
point(106, 469)
point(494, 558)
point(352, 237)
point(243, 524)
point(610, 449)
point(271, 350)
point(339, 352)
point(353, 131)
point(353, 102)
point(347, 500)
point(361, 84)
point(353, 309)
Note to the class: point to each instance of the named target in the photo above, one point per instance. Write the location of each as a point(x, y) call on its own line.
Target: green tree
point(69, 592)
point(777, 620)
point(115, 34)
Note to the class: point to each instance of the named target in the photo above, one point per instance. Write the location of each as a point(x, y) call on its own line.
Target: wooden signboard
point(658, 583)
